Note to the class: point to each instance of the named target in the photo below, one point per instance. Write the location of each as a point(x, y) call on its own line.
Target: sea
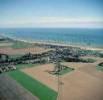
point(72, 36)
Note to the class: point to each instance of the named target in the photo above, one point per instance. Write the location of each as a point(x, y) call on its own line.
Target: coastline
point(62, 44)
point(54, 43)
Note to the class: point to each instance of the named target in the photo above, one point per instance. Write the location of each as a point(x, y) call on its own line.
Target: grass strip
point(99, 68)
point(34, 86)
point(18, 45)
point(64, 71)
point(21, 66)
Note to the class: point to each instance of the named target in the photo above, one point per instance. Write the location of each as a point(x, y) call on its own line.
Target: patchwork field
point(41, 73)
point(11, 90)
point(84, 83)
point(34, 86)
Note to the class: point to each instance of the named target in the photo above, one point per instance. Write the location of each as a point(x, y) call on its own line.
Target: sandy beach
point(54, 43)
point(61, 44)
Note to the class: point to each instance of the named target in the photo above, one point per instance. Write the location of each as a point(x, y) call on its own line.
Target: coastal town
point(55, 53)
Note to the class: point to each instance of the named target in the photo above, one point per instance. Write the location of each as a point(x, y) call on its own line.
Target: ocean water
point(72, 36)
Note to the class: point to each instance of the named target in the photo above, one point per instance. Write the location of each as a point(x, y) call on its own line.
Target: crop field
point(35, 87)
point(80, 81)
point(84, 83)
point(11, 90)
point(100, 68)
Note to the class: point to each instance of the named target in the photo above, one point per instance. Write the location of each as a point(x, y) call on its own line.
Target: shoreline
point(54, 43)
point(61, 44)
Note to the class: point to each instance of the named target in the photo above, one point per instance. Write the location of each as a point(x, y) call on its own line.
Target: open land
point(33, 50)
point(85, 82)
point(11, 90)
point(18, 47)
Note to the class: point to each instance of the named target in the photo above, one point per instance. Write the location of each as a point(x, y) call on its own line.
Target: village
point(61, 54)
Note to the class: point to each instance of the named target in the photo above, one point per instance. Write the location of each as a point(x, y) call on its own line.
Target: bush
point(89, 60)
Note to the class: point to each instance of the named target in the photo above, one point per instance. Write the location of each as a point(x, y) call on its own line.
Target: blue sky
point(51, 13)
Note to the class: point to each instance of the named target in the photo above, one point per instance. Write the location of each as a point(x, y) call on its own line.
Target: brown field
point(41, 73)
point(11, 51)
point(84, 83)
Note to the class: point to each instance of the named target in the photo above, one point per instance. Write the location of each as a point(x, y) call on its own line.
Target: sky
point(51, 13)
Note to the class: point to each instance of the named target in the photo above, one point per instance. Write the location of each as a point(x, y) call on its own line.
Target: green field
point(35, 87)
point(19, 44)
point(21, 66)
point(88, 60)
point(65, 71)
point(100, 68)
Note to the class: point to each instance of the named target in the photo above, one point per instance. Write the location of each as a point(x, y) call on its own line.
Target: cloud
point(55, 22)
